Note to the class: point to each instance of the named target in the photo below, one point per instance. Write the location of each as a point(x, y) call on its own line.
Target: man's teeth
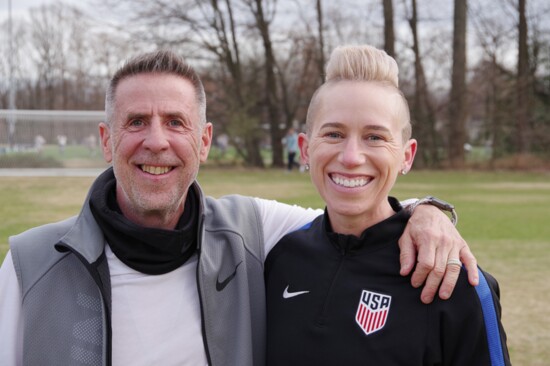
point(155, 170)
point(350, 183)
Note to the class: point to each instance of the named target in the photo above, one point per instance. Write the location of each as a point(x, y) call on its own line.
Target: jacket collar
point(85, 236)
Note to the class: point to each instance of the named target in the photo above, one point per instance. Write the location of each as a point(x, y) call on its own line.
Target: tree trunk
point(228, 54)
point(458, 100)
point(523, 84)
point(321, 52)
point(422, 110)
point(270, 85)
point(389, 36)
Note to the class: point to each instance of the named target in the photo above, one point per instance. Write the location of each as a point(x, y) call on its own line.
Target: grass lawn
point(503, 216)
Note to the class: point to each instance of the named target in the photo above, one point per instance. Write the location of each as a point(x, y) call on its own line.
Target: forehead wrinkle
point(178, 114)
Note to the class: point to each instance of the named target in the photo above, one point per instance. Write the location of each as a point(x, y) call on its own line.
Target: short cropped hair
point(162, 62)
point(362, 63)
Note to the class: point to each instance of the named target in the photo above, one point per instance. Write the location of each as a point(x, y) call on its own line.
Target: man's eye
point(136, 123)
point(175, 123)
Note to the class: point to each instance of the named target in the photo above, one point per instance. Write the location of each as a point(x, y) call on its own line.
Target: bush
point(28, 160)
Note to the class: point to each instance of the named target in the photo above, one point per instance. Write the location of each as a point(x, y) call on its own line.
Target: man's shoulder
point(230, 203)
point(33, 251)
point(51, 232)
point(37, 245)
point(230, 210)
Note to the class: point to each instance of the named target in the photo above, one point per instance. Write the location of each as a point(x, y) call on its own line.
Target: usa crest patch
point(372, 311)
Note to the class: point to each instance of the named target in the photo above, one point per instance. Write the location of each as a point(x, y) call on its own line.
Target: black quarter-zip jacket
point(336, 299)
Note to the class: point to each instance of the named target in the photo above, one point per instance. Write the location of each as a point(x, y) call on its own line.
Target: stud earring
point(404, 172)
point(307, 167)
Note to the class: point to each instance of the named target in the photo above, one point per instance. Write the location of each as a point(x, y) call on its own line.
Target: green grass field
point(504, 217)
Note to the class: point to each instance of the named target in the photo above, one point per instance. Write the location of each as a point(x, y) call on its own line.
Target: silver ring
point(454, 262)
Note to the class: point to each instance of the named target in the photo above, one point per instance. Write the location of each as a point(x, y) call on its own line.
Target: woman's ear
point(410, 152)
point(303, 143)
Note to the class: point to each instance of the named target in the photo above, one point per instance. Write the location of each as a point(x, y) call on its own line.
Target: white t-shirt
point(156, 319)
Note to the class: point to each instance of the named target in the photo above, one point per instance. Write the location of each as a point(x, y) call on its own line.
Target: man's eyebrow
point(343, 125)
point(177, 115)
point(174, 114)
point(141, 115)
point(134, 115)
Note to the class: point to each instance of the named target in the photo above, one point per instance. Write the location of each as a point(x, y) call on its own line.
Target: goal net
point(30, 136)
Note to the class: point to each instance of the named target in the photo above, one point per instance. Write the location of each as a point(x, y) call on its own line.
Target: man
point(151, 272)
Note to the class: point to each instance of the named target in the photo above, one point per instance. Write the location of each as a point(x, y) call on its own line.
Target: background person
point(152, 272)
point(291, 145)
point(334, 292)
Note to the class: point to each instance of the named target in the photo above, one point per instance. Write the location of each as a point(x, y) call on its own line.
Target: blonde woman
point(334, 292)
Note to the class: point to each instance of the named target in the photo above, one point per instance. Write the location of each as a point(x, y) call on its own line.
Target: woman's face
point(355, 150)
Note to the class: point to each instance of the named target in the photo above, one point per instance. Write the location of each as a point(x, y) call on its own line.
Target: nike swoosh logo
point(288, 295)
point(221, 285)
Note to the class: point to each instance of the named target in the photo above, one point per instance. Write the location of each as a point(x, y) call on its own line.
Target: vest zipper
point(199, 290)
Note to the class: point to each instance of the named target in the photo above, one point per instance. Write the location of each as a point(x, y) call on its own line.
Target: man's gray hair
point(163, 62)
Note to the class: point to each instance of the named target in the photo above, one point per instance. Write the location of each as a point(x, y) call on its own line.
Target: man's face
point(156, 144)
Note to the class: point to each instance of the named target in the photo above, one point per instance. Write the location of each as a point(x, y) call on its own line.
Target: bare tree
point(321, 41)
point(47, 40)
point(492, 83)
point(389, 36)
point(271, 100)
point(423, 113)
point(458, 100)
point(18, 63)
point(523, 83)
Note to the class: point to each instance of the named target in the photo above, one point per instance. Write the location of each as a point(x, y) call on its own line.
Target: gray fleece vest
point(64, 279)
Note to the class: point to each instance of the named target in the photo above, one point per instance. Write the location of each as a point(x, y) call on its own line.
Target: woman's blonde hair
point(363, 63)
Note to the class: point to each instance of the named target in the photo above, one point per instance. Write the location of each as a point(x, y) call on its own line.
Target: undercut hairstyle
point(160, 62)
point(363, 63)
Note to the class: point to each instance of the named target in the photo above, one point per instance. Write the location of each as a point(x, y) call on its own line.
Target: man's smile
point(156, 170)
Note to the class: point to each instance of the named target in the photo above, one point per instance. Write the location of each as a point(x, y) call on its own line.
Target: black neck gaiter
point(148, 250)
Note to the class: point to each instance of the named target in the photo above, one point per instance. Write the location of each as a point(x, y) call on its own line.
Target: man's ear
point(105, 136)
point(206, 141)
point(303, 143)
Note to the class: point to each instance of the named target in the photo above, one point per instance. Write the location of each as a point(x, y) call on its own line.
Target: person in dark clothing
point(334, 292)
point(152, 271)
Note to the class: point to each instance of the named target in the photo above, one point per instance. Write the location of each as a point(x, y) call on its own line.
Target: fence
point(39, 138)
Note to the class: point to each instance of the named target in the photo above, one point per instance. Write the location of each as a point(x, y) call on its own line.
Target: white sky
point(21, 7)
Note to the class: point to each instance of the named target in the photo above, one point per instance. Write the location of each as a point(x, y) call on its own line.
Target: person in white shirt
point(153, 272)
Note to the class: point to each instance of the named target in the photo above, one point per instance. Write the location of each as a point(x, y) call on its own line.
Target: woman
point(339, 298)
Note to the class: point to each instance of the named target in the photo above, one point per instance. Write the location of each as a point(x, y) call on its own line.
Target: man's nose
point(156, 138)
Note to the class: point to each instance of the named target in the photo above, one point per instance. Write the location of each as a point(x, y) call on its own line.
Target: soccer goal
point(58, 135)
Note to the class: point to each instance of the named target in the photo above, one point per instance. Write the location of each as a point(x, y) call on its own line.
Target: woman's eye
point(333, 135)
point(374, 138)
